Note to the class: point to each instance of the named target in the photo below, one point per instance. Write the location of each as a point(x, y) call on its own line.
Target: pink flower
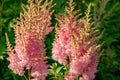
point(15, 64)
point(74, 41)
point(91, 68)
point(69, 77)
point(29, 50)
point(61, 44)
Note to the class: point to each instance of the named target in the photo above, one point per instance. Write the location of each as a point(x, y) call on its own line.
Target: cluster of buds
point(29, 50)
point(75, 44)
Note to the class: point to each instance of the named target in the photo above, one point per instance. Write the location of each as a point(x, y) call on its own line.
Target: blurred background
point(107, 15)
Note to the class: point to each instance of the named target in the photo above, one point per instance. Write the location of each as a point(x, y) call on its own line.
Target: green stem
point(25, 77)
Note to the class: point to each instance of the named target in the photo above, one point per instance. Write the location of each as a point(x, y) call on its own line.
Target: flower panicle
point(76, 39)
point(8, 43)
point(29, 50)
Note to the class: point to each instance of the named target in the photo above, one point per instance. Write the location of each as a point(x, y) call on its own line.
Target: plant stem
point(29, 76)
point(25, 77)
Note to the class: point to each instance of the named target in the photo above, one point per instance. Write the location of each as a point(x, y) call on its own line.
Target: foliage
point(109, 22)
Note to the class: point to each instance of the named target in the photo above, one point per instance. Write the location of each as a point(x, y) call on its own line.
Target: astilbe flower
point(76, 39)
point(30, 30)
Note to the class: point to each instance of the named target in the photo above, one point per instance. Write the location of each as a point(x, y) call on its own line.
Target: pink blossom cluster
point(29, 52)
point(83, 61)
point(74, 41)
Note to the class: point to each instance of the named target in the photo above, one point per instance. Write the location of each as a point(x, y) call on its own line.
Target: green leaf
point(59, 69)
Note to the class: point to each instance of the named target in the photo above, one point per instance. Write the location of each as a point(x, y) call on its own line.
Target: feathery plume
point(76, 39)
point(29, 50)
